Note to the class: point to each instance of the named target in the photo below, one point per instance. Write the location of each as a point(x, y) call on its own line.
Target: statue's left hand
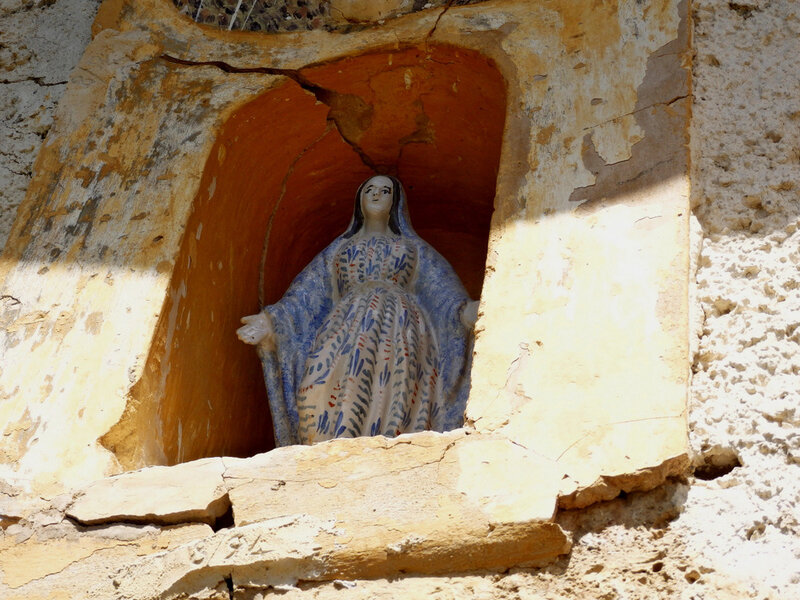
point(469, 314)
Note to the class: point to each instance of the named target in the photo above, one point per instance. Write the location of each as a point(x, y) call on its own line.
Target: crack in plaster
point(642, 174)
point(20, 173)
point(439, 18)
point(439, 462)
point(37, 80)
point(614, 424)
point(323, 95)
point(638, 110)
point(282, 481)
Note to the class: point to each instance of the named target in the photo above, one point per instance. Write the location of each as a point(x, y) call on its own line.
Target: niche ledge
point(374, 507)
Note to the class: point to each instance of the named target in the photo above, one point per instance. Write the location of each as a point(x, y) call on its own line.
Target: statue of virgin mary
point(373, 337)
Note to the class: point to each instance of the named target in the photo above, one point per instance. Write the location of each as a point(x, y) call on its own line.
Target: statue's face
point(377, 196)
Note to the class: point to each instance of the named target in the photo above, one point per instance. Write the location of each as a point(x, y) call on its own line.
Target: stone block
point(190, 492)
point(407, 499)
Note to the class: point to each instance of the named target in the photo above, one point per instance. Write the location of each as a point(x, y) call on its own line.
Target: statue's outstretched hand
point(257, 329)
point(469, 314)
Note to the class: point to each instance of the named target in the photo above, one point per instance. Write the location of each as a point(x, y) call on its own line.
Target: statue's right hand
point(257, 329)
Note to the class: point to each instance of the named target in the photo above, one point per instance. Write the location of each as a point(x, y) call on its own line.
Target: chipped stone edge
point(608, 487)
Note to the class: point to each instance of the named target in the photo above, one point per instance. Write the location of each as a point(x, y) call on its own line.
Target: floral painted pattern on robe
point(373, 367)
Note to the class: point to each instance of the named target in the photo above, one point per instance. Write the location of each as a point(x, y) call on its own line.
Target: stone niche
point(285, 167)
point(190, 174)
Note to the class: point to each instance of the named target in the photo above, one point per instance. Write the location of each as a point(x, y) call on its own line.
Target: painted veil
point(369, 339)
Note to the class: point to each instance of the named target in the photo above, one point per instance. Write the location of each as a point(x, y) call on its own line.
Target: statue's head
point(375, 196)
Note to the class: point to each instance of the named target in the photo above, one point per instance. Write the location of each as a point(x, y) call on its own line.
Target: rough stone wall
point(733, 534)
point(42, 41)
point(744, 403)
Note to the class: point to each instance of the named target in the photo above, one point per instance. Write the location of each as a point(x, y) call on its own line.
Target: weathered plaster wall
point(42, 42)
point(135, 130)
point(89, 263)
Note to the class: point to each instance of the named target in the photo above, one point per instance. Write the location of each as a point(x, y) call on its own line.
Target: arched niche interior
point(278, 187)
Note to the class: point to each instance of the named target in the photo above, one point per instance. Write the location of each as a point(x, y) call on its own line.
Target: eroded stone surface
point(16, 503)
point(571, 375)
point(743, 412)
point(278, 552)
